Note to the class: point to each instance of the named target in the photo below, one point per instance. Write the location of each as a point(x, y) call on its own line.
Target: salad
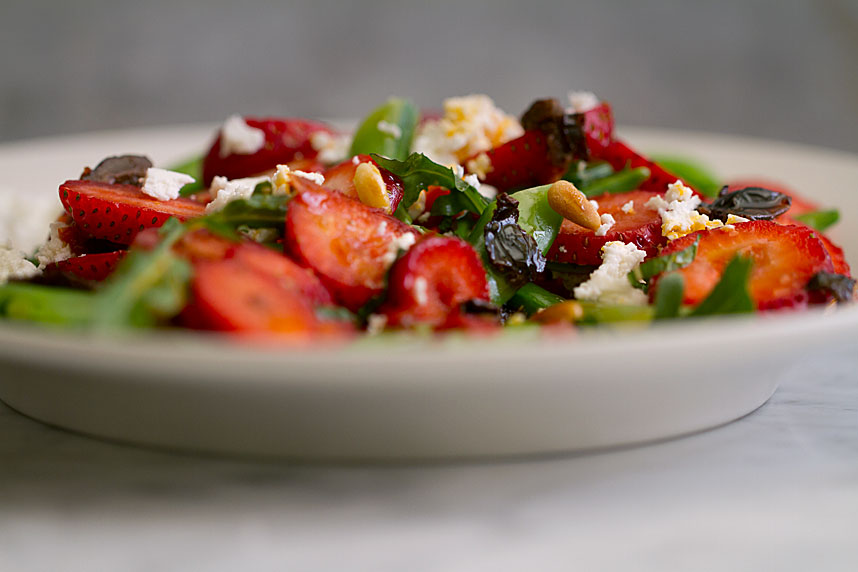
point(468, 219)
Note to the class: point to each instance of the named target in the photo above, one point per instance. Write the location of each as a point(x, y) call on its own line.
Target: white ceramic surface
point(407, 399)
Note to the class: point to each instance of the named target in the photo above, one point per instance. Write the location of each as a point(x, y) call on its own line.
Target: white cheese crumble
point(595, 205)
point(421, 291)
point(14, 265)
point(629, 207)
point(331, 148)
point(317, 178)
point(481, 165)
point(55, 249)
point(582, 101)
point(389, 128)
point(607, 222)
point(375, 324)
point(473, 181)
point(471, 124)
point(609, 283)
point(224, 191)
point(236, 136)
point(678, 212)
point(401, 242)
point(164, 185)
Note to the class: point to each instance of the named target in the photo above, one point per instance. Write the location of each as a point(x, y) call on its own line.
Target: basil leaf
point(45, 304)
point(820, 219)
point(692, 173)
point(730, 295)
point(395, 142)
point(418, 172)
point(668, 299)
point(619, 182)
point(640, 276)
point(194, 168)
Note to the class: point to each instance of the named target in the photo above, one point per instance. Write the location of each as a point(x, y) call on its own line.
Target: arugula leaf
point(194, 168)
point(147, 287)
point(45, 304)
point(640, 276)
point(668, 299)
point(819, 219)
point(692, 173)
point(369, 138)
point(730, 295)
point(418, 172)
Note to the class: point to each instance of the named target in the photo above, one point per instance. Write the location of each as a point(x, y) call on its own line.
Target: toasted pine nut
point(568, 311)
point(571, 204)
point(370, 187)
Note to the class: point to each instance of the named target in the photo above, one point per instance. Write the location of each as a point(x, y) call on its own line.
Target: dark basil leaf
point(838, 285)
point(640, 276)
point(668, 298)
point(730, 295)
point(820, 220)
point(754, 203)
point(509, 248)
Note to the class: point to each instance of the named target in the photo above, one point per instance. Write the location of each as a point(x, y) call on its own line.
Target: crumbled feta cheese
point(331, 148)
point(562, 249)
point(582, 101)
point(607, 222)
point(401, 242)
point(355, 160)
point(389, 128)
point(595, 204)
point(281, 180)
point(473, 181)
point(55, 249)
point(224, 191)
point(14, 265)
point(736, 219)
point(317, 178)
point(481, 166)
point(609, 283)
point(470, 125)
point(421, 291)
point(375, 324)
point(678, 212)
point(488, 191)
point(164, 185)
point(629, 207)
point(236, 136)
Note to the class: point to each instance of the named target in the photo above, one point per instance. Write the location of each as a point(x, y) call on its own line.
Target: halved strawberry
point(431, 282)
point(838, 259)
point(286, 272)
point(286, 140)
point(522, 162)
point(785, 258)
point(619, 155)
point(118, 212)
point(640, 226)
point(598, 126)
point(95, 267)
point(348, 244)
point(341, 178)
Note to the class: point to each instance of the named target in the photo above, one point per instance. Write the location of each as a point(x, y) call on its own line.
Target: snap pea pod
point(46, 304)
point(582, 173)
point(619, 182)
point(387, 131)
point(668, 300)
point(532, 298)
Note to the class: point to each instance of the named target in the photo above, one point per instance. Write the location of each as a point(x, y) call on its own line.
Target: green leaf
point(45, 304)
point(582, 173)
point(596, 313)
point(730, 295)
point(532, 298)
point(535, 217)
point(368, 138)
point(820, 220)
point(194, 168)
point(257, 211)
point(147, 287)
point(418, 173)
point(619, 182)
point(640, 276)
point(668, 299)
point(691, 172)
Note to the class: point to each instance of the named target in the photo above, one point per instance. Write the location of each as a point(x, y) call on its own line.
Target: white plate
point(405, 399)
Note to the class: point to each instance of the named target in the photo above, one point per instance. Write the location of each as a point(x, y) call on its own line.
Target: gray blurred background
point(782, 69)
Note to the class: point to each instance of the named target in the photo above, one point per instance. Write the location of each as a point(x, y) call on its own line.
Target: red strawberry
point(838, 259)
point(118, 212)
point(285, 140)
point(429, 283)
point(522, 162)
point(348, 244)
point(785, 258)
point(642, 226)
point(341, 178)
point(619, 155)
point(94, 267)
point(598, 126)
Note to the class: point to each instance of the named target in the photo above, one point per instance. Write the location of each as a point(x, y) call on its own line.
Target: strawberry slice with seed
point(349, 245)
point(522, 162)
point(118, 212)
point(94, 267)
point(286, 140)
point(430, 283)
point(785, 258)
point(638, 225)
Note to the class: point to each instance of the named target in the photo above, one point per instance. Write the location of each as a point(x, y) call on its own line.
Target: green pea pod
point(387, 131)
point(620, 182)
point(46, 304)
point(532, 298)
point(668, 299)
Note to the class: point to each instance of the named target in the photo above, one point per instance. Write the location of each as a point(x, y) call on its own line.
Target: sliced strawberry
point(838, 259)
point(522, 162)
point(431, 282)
point(619, 155)
point(348, 244)
point(118, 212)
point(341, 178)
point(598, 126)
point(286, 272)
point(784, 258)
point(641, 226)
point(95, 267)
point(285, 140)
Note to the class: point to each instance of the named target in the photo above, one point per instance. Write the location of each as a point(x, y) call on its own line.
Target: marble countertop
point(776, 490)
